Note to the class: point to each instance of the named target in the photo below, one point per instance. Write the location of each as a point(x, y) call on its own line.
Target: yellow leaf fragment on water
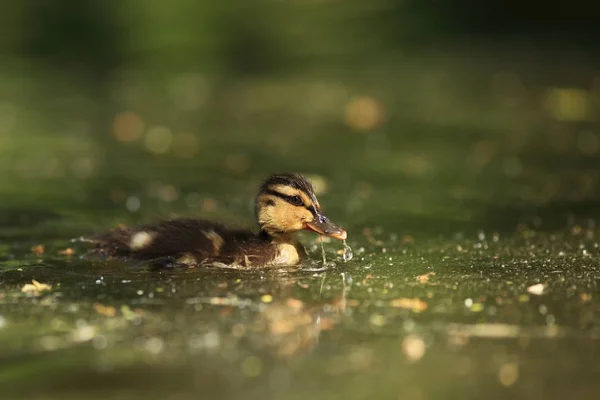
point(38, 250)
point(266, 298)
point(108, 311)
point(537, 289)
point(130, 314)
point(425, 277)
point(411, 304)
point(35, 287)
point(67, 252)
point(484, 330)
point(524, 298)
point(585, 297)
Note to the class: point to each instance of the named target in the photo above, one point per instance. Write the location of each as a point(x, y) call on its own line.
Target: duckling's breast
point(286, 254)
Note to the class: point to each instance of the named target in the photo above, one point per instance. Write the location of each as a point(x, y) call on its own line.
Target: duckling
point(285, 204)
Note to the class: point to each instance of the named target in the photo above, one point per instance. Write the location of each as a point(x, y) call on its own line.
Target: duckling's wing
point(171, 238)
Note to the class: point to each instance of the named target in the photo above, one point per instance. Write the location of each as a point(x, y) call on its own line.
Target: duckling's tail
point(114, 243)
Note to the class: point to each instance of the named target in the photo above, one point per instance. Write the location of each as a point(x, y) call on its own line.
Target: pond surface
point(471, 214)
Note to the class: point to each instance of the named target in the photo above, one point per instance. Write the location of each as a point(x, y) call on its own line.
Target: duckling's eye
point(296, 200)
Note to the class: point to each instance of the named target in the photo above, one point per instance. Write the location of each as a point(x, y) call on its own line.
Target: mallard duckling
point(285, 204)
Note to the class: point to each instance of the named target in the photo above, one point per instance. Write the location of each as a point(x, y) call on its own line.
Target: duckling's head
point(287, 203)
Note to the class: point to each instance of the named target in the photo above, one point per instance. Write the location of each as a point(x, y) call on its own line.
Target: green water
point(462, 194)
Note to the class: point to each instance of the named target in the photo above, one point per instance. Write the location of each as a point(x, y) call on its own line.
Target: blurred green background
point(454, 141)
point(430, 115)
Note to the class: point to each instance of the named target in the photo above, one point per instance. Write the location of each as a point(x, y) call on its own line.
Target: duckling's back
point(184, 241)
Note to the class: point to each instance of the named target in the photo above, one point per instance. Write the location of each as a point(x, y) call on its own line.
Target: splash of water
point(347, 252)
point(323, 250)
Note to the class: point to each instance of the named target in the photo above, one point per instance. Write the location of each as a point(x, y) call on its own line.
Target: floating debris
point(107, 311)
point(537, 289)
point(38, 250)
point(35, 288)
point(425, 277)
point(410, 304)
point(130, 314)
point(266, 298)
point(500, 331)
point(408, 239)
point(67, 252)
point(585, 297)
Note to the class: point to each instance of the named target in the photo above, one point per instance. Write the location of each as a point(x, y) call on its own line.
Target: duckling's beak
point(323, 226)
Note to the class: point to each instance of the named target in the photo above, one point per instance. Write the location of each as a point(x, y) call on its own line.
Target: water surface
point(472, 224)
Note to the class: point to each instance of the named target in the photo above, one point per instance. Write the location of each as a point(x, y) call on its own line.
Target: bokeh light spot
point(133, 204)
point(413, 347)
point(363, 113)
point(158, 140)
point(508, 374)
point(569, 104)
point(128, 127)
point(319, 183)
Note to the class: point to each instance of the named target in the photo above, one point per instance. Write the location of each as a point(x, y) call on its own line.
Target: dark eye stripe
point(287, 198)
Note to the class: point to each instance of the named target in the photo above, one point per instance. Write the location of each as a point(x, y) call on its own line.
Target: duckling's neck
point(264, 235)
point(279, 238)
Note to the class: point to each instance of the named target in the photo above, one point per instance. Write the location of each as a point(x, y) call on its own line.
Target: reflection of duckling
point(285, 204)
